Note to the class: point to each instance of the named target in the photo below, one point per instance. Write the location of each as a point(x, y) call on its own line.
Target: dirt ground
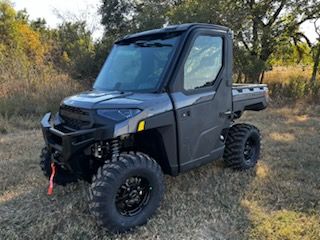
point(279, 199)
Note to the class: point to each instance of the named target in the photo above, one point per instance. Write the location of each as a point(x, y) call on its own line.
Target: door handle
point(226, 114)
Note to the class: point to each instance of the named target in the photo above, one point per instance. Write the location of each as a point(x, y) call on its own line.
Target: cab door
point(202, 97)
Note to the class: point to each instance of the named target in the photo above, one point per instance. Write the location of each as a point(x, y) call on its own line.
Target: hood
point(90, 99)
point(154, 102)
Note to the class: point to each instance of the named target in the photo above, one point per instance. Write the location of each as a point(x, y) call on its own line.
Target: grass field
point(279, 199)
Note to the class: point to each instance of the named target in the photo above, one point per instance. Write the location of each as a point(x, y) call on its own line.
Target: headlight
point(118, 114)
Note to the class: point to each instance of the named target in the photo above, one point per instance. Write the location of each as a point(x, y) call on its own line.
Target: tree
point(76, 49)
point(22, 16)
point(122, 17)
point(8, 24)
point(291, 52)
point(117, 16)
point(316, 54)
point(40, 24)
point(30, 46)
point(87, 14)
point(17, 38)
point(259, 25)
point(313, 49)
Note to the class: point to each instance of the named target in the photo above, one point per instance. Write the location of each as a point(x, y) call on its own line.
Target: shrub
point(294, 88)
point(34, 92)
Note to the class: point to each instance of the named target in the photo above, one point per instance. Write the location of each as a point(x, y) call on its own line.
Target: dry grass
point(36, 91)
point(285, 73)
point(23, 98)
point(15, 123)
point(292, 83)
point(279, 199)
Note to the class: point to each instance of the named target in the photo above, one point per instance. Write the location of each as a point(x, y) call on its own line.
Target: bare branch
point(312, 15)
point(245, 45)
point(241, 39)
point(87, 15)
point(316, 27)
point(300, 34)
point(277, 13)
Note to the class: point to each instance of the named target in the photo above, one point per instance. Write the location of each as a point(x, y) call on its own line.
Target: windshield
point(137, 65)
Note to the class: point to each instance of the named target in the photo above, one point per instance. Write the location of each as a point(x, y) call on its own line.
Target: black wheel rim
point(133, 195)
point(249, 150)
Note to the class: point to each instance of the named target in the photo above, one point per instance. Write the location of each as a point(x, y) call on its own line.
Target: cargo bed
point(249, 97)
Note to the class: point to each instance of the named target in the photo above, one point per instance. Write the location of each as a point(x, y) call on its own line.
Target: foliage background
point(278, 200)
point(42, 64)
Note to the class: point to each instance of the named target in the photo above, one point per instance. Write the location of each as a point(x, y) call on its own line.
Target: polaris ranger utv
point(163, 103)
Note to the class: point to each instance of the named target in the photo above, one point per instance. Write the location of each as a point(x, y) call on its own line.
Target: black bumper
point(69, 143)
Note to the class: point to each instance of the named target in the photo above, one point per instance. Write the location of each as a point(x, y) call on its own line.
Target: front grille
point(52, 138)
point(75, 118)
point(63, 128)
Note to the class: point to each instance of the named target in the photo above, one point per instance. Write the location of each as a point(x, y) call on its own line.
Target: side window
point(203, 63)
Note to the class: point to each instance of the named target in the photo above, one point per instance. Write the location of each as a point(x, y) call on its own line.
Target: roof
point(175, 28)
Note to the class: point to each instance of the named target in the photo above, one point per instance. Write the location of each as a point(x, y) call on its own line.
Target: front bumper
point(69, 143)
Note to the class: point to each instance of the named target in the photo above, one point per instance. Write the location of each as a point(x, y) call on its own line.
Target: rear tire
point(242, 149)
point(126, 193)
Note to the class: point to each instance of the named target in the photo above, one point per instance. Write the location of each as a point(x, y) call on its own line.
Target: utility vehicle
point(163, 103)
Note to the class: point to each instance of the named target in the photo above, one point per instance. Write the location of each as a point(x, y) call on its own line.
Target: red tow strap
point(53, 172)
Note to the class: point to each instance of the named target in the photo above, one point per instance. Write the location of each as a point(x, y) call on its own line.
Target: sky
point(69, 9)
point(87, 10)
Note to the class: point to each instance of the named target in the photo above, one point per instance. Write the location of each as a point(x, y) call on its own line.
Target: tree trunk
point(239, 78)
point(262, 77)
point(315, 65)
point(253, 77)
point(245, 78)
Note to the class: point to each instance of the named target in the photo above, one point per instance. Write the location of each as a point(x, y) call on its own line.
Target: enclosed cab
point(163, 102)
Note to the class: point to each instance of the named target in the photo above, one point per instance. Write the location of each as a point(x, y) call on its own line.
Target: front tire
point(242, 149)
point(125, 193)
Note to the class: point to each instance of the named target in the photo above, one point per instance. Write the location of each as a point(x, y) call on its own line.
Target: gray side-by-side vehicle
point(163, 103)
